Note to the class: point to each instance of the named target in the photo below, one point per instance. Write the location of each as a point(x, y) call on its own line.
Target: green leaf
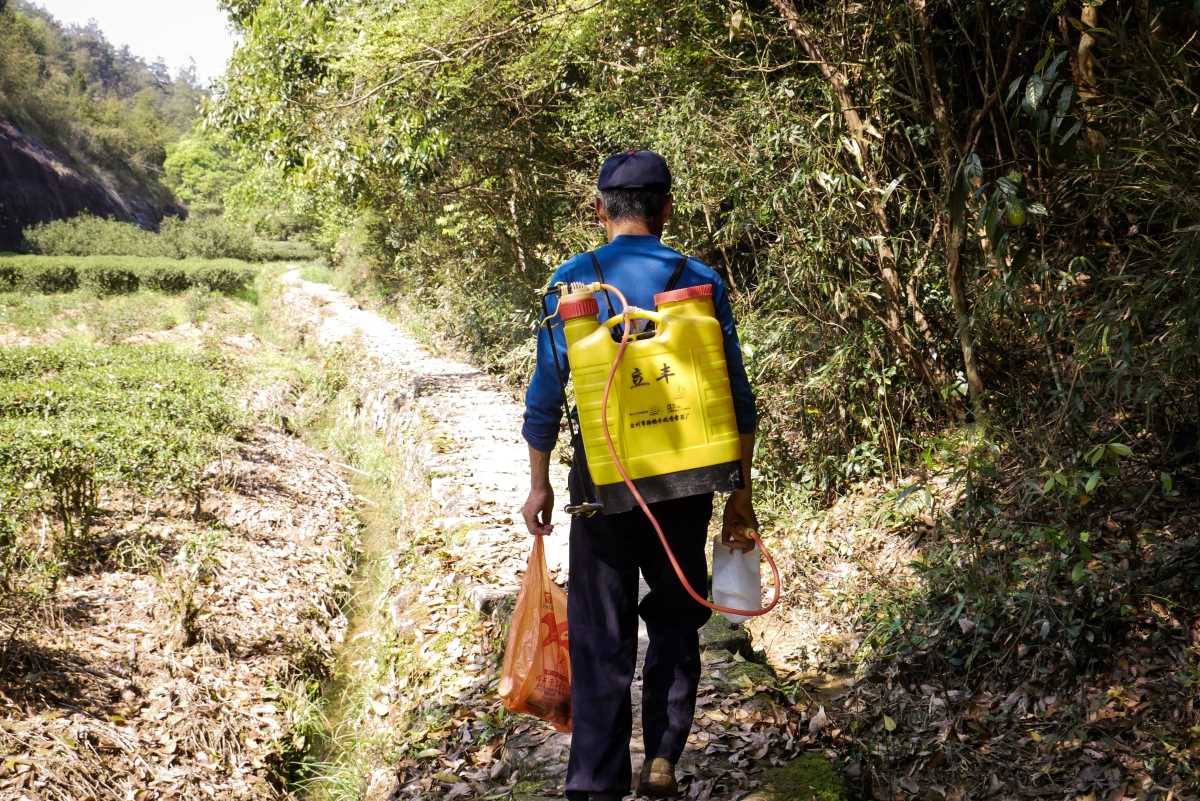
point(1064, 100)
point(1074, 129)
point(889, 723)
point(992, 222)
point(1064, 105)
point(1077, 572)
point(1013, 87)
point(1049, 485)
point(1120, 449)
point(1168, 483)
point(1052, 71)
point(1007, 187)
point(1035, 92)
point(1092, 482)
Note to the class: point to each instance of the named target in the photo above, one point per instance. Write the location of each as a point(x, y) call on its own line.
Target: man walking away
point(608, 551)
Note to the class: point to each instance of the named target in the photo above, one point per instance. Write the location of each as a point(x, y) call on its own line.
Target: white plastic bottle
point(737, 581)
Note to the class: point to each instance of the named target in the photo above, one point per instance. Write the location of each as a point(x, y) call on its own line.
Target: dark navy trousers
point(607, 552)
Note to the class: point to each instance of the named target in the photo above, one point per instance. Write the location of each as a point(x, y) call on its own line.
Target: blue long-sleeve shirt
point(640, 267)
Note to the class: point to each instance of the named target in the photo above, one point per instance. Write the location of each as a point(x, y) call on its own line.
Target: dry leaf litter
point(103, 702)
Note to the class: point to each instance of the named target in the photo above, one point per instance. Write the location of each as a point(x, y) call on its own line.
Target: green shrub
point(105, 280)
point(9, 277)
point(206, 238)
point(196, 237)
point(59, 465)
point(86, 235)
point(75, 420)
point(51, 277)
point(289, 250)
point(11, 506)
point(111, 275)
point(166, 278)
point(222, 279)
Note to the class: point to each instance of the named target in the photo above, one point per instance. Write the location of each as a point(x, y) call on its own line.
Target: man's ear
point(668, 208)
point(601, 212)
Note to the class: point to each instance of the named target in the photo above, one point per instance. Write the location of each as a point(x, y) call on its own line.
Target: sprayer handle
point(635, 313)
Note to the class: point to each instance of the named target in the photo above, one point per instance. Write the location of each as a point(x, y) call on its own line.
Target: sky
point(174, 30)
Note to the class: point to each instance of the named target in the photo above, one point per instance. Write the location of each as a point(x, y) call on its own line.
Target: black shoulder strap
point(675, 276)
point(612, 310)
point(672, 282)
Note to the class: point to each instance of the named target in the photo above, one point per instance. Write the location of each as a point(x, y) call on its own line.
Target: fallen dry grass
point(102, 700)
point(161, 664)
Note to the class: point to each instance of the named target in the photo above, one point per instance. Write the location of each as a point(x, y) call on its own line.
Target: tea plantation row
point(112, 275)
point(77, 420)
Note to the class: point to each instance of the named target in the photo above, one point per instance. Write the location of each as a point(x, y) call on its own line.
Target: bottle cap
point(572, 307)
point(687, 293)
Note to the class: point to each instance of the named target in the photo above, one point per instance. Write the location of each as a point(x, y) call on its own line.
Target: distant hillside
point(37, 185)
point(84, 125)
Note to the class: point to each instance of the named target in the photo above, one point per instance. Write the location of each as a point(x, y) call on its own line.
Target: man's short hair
point(633, 204)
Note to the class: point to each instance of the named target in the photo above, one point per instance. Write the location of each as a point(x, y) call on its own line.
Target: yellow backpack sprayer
point(666, 429)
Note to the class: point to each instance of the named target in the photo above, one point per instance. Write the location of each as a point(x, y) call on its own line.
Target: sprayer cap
point(570, 308)
point(687, 293)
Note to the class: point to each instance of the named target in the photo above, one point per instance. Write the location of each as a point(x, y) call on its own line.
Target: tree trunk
point(517, 234)
point(957, 284)
point(1086, 60)
point(930, 370)
point(950, 155)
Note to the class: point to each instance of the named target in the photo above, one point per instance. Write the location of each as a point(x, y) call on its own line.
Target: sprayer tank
point(670, 411)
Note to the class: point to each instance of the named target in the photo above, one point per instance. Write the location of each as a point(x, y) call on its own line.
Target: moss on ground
point(751, 673)
point(811, 777)
point(530, 791)
point(718, 634)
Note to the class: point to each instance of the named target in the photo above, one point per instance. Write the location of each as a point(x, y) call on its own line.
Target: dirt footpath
point(478, 464)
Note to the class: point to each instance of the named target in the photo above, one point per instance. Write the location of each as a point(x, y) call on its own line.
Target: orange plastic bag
point(536, 675)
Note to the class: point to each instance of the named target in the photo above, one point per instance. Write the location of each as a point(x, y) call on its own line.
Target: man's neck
point(630, 228)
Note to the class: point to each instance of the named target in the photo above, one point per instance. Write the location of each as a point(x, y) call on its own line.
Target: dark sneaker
point(658, 779)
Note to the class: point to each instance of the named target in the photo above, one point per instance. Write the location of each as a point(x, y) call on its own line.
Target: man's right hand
point(739, 519)
point(538, 508)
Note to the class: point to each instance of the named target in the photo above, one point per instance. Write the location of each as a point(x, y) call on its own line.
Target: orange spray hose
point(612, 452)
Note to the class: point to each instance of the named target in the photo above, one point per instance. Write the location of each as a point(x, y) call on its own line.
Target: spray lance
point(676, 433)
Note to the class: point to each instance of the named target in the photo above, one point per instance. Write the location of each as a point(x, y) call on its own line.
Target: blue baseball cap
point(635, 169)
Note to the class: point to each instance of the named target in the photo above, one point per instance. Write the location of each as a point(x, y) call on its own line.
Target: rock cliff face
point(38, 185)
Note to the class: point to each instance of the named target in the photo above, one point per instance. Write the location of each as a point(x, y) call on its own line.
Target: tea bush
point(167, 278)
point(193, 238)
point(48, 277)
point(86, 235)
point(222, 278)
point(112, 275)
point(76, 420)
point(109, 280)
point(9, 276)
point(206, 238)
point(285, 250)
